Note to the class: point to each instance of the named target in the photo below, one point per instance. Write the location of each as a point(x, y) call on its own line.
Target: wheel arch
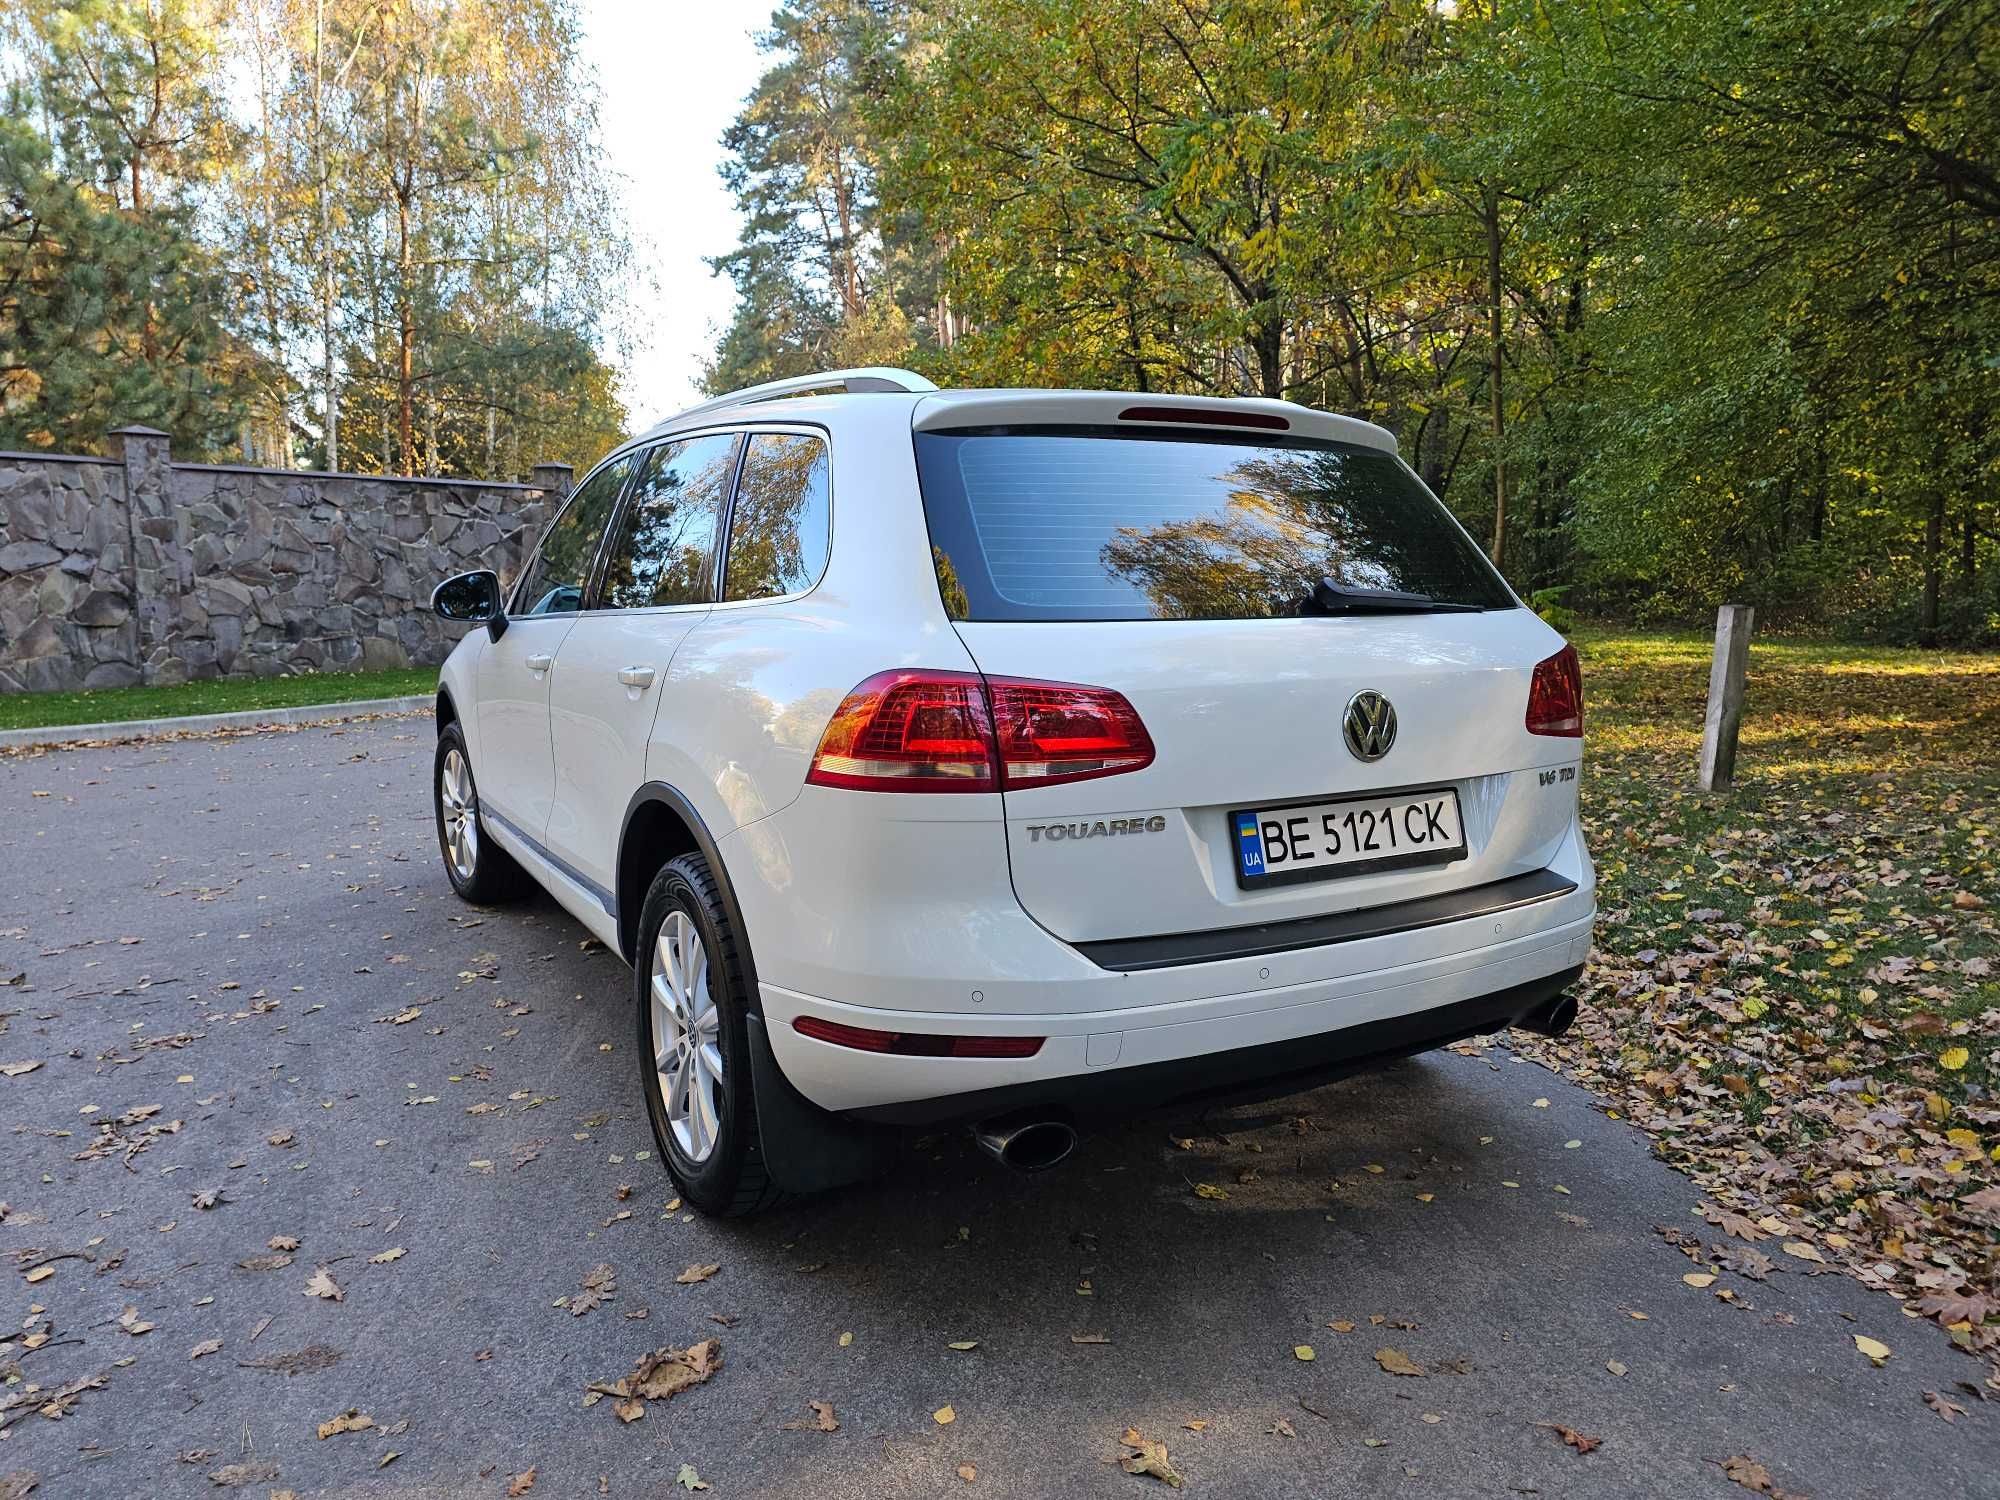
point(661, 824)
point(446, 712)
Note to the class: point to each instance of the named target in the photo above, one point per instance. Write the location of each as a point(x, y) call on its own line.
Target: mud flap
point(808, 1149)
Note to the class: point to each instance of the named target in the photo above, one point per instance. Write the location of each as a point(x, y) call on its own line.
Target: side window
point(562, 568)
point(665, 549)
point(778, 532)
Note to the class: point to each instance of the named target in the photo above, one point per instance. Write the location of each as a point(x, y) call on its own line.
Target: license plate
point(1352, 836)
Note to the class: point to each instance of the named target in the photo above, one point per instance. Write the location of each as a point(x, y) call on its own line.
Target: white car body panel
point(871, 908)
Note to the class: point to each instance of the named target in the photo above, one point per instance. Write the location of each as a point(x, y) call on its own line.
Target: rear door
point(611, 673)
point(1243, 592)
point(516, 765)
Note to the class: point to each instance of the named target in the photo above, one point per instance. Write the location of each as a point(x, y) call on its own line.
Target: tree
point(106, 317)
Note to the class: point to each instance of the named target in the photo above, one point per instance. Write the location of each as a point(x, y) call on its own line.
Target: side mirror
point(472, 599)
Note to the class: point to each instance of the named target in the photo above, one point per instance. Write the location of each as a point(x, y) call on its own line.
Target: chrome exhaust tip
point(1552, 1019)
point(1026, 1143)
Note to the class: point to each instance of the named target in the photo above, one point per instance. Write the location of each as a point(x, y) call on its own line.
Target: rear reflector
point(924, 731)
point(1205, 416)
point(1555, 697)
point(916, 1043)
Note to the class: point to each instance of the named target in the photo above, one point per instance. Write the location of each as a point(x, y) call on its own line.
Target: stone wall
point(136, 569)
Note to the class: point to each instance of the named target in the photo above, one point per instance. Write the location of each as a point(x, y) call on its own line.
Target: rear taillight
point(1051, 732)
point(915, 1043)
point(1555, 697)
point(922, 731)
point(909, 732)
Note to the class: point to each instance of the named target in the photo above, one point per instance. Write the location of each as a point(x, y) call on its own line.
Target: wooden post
point(1725, 696)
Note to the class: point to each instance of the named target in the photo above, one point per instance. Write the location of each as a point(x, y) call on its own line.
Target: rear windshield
point(1085, 524)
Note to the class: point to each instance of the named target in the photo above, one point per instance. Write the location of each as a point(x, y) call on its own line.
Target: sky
point(673, 74)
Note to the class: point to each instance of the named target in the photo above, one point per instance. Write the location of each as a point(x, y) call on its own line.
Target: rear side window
point(778, 531)
point(665, 549)
point(562, 567)
point(1083, 524)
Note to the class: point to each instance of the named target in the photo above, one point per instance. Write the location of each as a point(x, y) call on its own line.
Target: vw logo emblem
point(1369, 725)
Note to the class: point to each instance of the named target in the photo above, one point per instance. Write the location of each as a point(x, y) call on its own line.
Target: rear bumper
point(1319, 1012)
point(1269, 1071)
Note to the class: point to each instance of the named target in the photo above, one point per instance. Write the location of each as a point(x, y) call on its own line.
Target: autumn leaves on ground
point(319, 1180)
point(1796, 988)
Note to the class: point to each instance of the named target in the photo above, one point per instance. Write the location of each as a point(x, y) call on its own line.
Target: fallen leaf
point(1954, 1058)
point(1875, 1349)
point(1201, 1190)
point(522, 1482)
point(132, 1323)
point(1303, 1352)
point(1396, 1362)
point(599, 1287)
point(252, 1471)
point(1281, 1428)
point(282, 1242)
point(1616, 1367)
point(206, 1346)
point(1699, 1279)
point(351, 1420)
point(823, 1419)
point(1090, 1338)
point(1148, 1456)
point(687, 1479)
point(386, 1256)
point(1943, 1405)
point(967, 1472)
point(321, 1284)
point(963, 1345)
point(1752, 1475)
point(944, 1416)
point(1574, 1438)
point(1341, 1325)
point(17, 1069)
point(1800, 1250)
point(208, 1198)
point(696, 1273)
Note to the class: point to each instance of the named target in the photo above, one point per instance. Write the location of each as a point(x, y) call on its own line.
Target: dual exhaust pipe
point(1030, 1141)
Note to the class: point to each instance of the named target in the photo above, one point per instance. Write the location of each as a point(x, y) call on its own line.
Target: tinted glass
point(665, 551)
point(778, 531)
point(1083, 525)
point(562, 568)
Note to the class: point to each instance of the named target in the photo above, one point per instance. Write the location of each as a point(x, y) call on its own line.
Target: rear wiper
point(1330, 598)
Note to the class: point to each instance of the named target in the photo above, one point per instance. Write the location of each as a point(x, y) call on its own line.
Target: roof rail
point(865, 378)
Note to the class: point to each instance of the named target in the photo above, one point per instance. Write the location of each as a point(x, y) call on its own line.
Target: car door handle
point(540, 663)
point(638, 677)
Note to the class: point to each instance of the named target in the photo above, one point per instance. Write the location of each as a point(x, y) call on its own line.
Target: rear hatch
point(1247, 592)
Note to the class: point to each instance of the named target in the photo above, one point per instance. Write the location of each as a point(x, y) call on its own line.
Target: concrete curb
point(196, 724)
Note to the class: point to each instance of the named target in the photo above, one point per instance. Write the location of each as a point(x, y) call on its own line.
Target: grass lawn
point(227, 695)
point(1796, 987)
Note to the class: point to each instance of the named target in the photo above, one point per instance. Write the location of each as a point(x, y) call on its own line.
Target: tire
point(691, 998)
point(480, 871)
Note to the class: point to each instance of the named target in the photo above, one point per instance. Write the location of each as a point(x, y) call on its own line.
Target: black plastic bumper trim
point(1269, 1071)
point(1128, 955)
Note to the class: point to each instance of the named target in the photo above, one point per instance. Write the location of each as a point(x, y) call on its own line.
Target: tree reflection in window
point(666, 546)
point(1292, 518)
point(778, 532)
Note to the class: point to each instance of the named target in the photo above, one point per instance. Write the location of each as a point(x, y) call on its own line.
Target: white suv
point(1012, 756)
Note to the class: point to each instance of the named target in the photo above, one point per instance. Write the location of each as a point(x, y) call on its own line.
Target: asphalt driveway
point(260, 1017)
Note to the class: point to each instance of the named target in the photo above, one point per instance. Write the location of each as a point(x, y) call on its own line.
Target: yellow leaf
point(1209, 1190)
point(1803, 1251)
point(1699, 1279)
point(1873, 1348)
point(944, 1416)
point(1954, 1058)
point(1303, 1352)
